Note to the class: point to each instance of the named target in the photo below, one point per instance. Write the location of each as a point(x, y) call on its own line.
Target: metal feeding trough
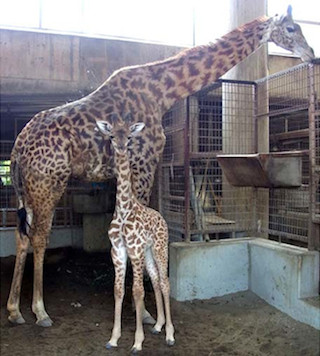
point(266, 170)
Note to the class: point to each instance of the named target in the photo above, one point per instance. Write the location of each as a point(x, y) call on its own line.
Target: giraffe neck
point(199, 66)
point(168, 81)
point(125, 198)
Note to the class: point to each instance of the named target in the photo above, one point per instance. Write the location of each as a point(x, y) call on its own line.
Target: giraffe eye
point(290, 29)
point(111, 137)
point(129, 137)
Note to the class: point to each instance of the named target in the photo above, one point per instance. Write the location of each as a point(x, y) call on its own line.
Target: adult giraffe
point(62, 142)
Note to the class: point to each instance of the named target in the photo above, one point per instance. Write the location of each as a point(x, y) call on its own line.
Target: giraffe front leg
point(138, 295)
point(13, 304)
point(119, 258)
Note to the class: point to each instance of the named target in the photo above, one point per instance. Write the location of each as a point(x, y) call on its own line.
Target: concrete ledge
point(285, 276)
point(60, 237)
point(204, 270)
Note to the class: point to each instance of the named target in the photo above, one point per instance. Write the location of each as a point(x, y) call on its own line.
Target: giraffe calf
point(140, 233)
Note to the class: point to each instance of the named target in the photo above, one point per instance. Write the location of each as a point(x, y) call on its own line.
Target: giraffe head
point(120, 132)
point(284, 32)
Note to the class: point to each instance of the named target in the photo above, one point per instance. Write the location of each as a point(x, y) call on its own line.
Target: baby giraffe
point(140, 233)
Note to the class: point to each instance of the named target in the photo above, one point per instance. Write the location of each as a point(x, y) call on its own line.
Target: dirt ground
point(237, 324)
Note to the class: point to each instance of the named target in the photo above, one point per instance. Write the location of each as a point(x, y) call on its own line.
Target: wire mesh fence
point(15, 113)
point(315, 122)
point(198, 201)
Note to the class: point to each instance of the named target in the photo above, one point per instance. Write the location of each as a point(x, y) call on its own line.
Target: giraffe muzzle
point(307, 55)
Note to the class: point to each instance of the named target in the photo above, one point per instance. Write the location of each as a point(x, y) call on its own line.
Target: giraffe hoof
point(170, 342)
point(148, 320)
point(134, 351)
point(17, 321)
point(154, 331)
point(109, 346)
point(45, 323)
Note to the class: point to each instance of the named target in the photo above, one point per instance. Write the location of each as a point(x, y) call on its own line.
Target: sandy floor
point(238, 324)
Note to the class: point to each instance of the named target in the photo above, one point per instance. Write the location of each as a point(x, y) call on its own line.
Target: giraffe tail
point(22, 216)
point(17, 185)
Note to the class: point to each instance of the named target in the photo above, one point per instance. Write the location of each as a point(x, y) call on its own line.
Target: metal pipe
point(186, 171)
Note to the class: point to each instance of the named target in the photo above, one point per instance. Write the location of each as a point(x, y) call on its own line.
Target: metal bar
point(284, 72)
point(173, 197)
point(291, 134)
point(284, 111)
point(233, 81)
point(255, 149)
point(173, 164)
point(288, 235)
point(204, 155)
point(172, 130)
point(159, 185)
point(187, 172)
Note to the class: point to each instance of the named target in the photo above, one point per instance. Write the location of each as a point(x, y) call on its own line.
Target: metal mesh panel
point(172, 182)
point(230, 117)
point(288, 99)
point(7, 195)
point(288, 213)
point(196, 200)
point(15, 113)
point(316, 81)
point(288, 91)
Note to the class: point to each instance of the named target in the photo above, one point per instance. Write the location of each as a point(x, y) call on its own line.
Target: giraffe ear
point(104, 127)
point(136, 128)
point(287, 18)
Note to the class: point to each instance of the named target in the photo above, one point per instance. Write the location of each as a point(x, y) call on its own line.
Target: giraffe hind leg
point(138, 295)
point(154, 275)
point(39, 242)
point(161, 258)
point(13, 304)
point(22, 244)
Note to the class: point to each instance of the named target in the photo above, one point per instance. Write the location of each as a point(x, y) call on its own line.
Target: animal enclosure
point(279, 115)
point(196, 198)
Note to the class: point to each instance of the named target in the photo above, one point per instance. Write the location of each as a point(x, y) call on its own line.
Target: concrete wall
point(60, 237)
point(34, 62)
point(285, 276)
point(198, 271)
point(279, 63)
